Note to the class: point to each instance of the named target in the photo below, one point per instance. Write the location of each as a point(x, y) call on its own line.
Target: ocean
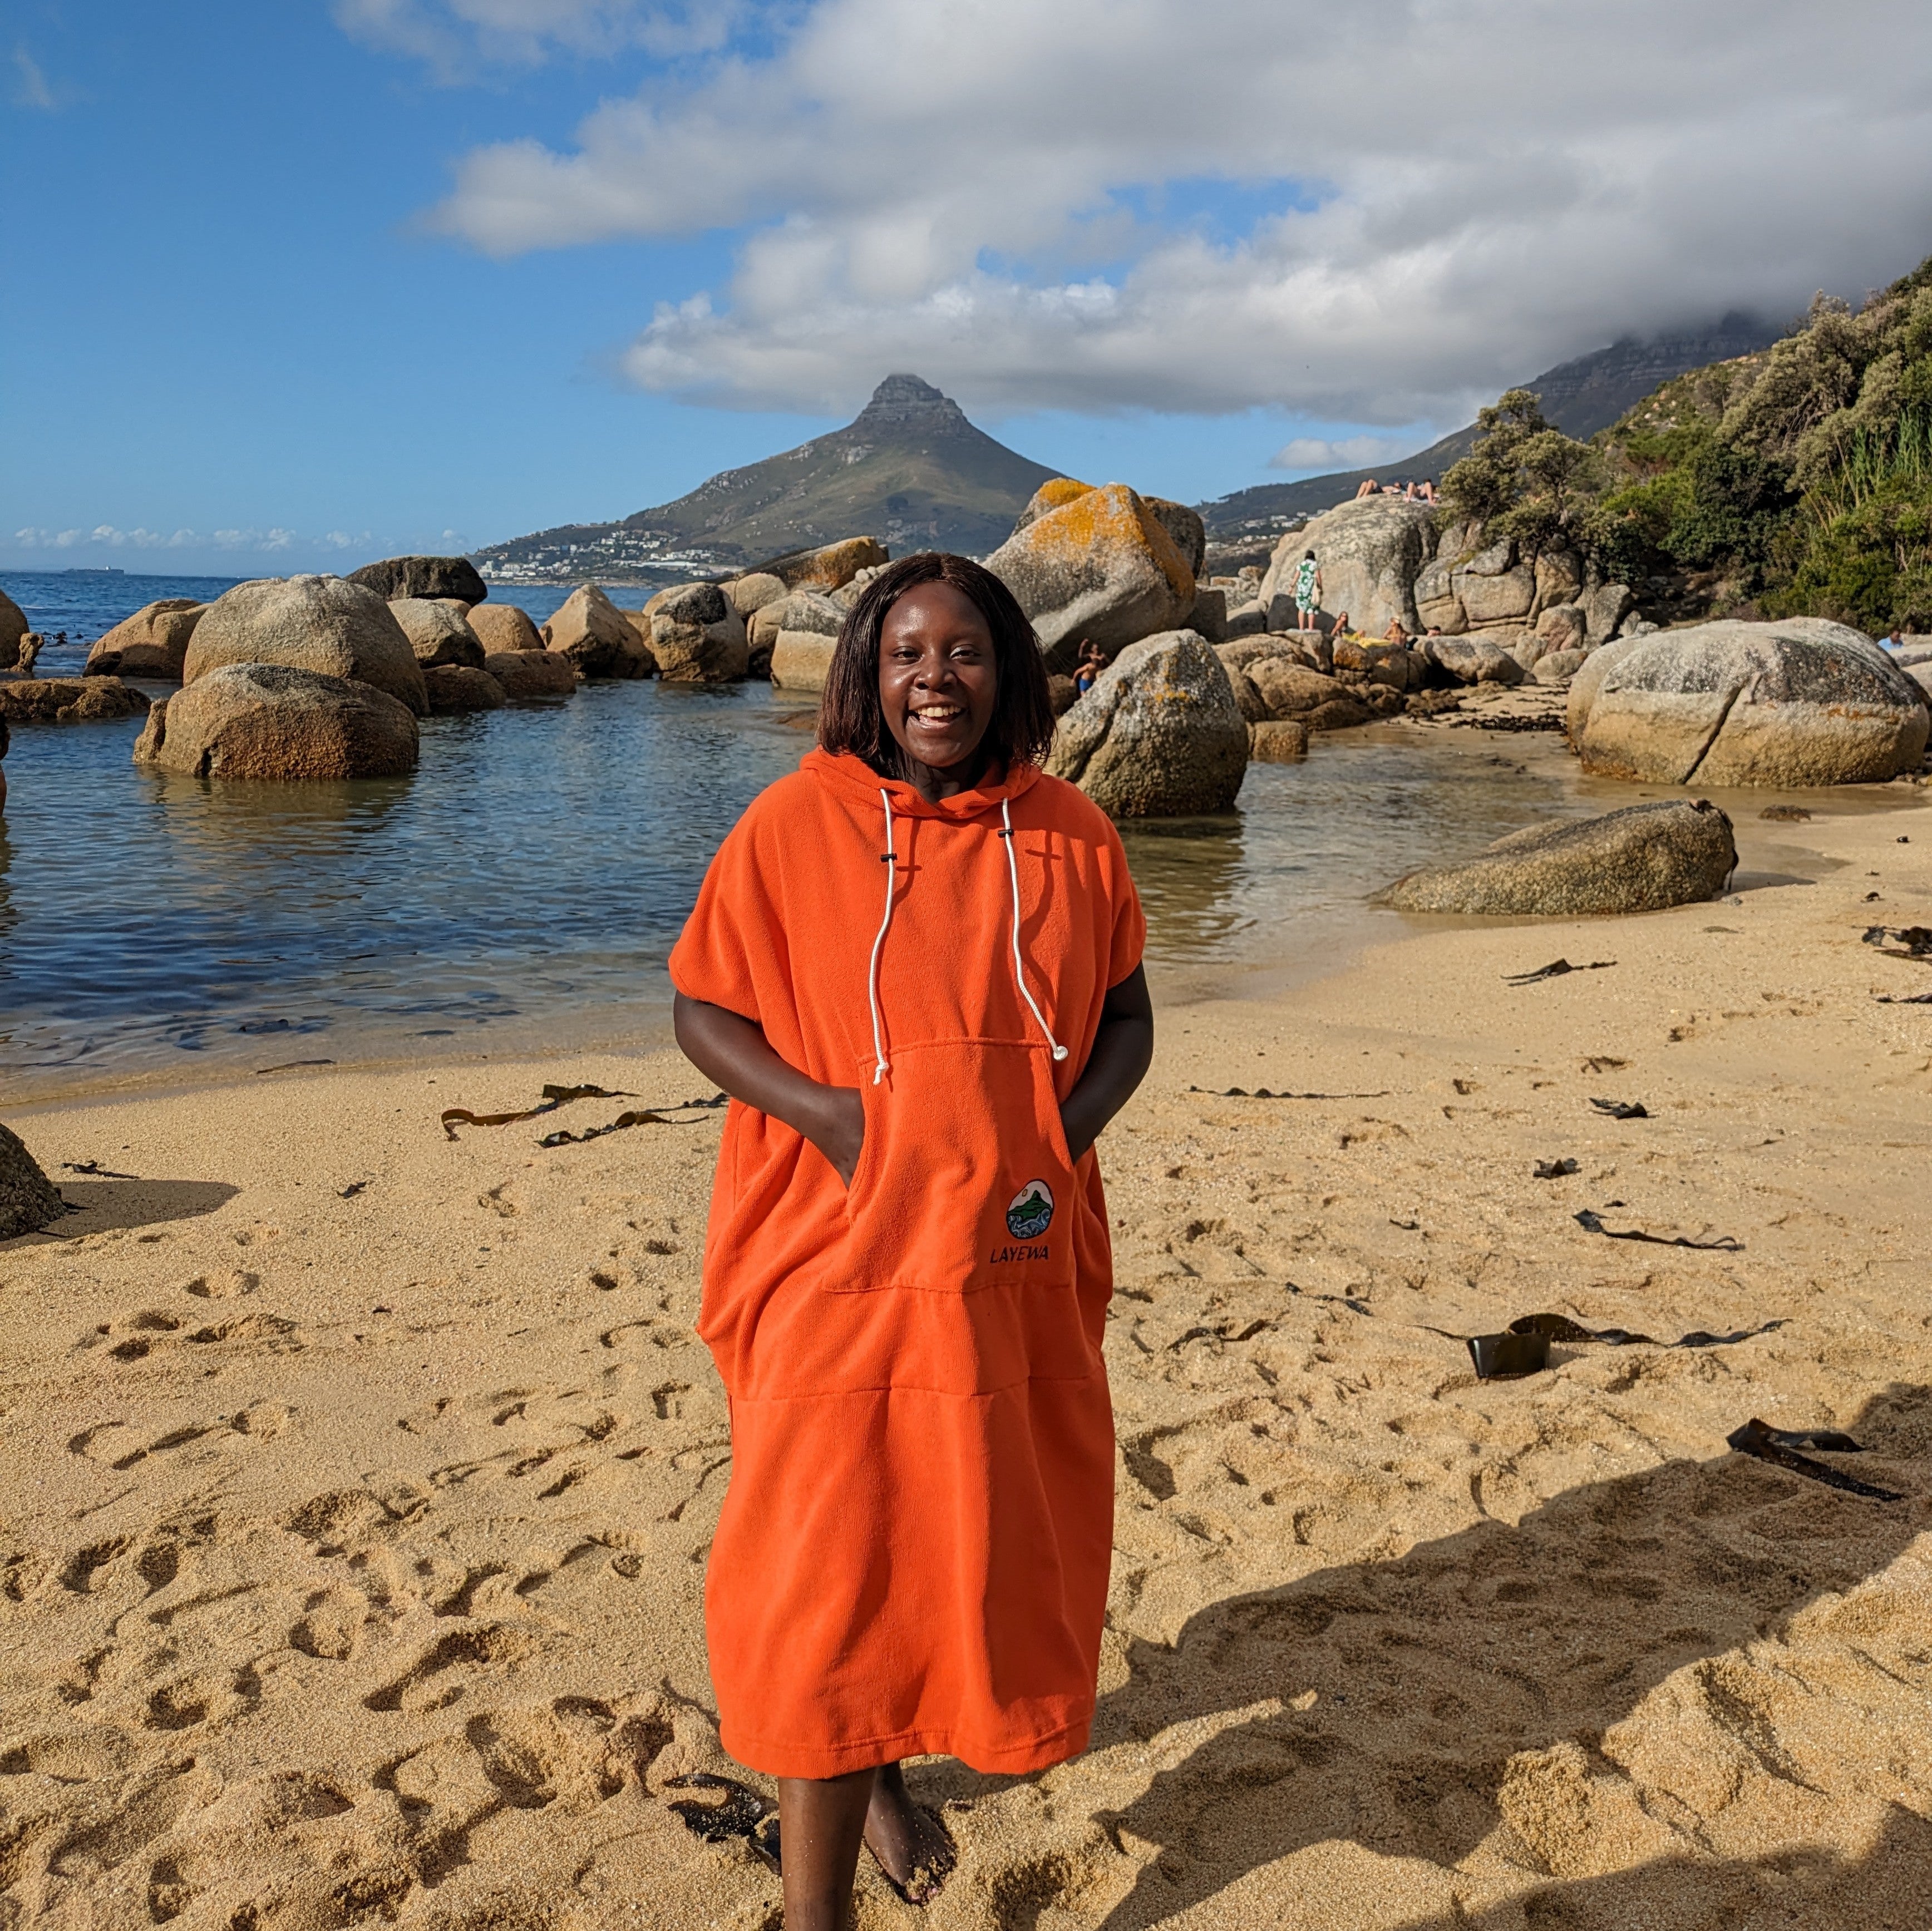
point(523, 888)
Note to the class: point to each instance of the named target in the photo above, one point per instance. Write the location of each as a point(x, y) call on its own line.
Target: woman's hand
point(733, 1051)
point(1123, 1051)
point(839, 1132)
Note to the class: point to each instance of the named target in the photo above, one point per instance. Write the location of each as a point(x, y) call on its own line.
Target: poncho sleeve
point(734, 952)
point(1129, 921)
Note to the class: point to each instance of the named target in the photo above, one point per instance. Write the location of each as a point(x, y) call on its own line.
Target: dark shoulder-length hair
point(850, 717)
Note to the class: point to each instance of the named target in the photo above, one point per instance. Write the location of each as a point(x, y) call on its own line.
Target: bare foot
point(909, 1843)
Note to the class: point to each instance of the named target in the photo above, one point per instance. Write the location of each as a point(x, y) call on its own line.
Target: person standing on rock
point(915, 965)
point(1307, 592)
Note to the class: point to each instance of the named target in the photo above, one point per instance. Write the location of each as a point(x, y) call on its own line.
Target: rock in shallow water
point(802, 659)
point(502, 627)
point(439, 631)
point(1786, 705)
point(323, 624)
point(697, 637)
point(68, 700)
point(1159, 735)
point(597, 637)
point(1277, 741)
point(12, 627)
point(423, 576)
point(277, 722)
point(455, 688)
point(153, 643)
point(531, 673)
point(1639, 859)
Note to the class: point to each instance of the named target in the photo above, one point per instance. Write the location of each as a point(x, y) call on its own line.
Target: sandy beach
point(358, 1482)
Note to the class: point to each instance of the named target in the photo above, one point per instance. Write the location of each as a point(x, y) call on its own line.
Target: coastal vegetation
point(1794, 480)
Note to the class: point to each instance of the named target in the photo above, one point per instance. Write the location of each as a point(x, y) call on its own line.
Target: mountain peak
point(903, 400)
point(909, 469)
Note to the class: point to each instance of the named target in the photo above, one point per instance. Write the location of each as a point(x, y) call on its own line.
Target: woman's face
point(938, 682)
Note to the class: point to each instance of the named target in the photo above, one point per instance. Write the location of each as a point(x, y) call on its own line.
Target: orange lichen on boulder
point(1099, 567)
point(1055, 494)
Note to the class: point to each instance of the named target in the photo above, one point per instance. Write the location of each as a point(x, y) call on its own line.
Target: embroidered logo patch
point(1030, 1213)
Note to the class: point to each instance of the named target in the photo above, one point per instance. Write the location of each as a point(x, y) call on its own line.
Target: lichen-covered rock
point(1436, 602)
point(1055, 493)
point(1493, 587)
point(435, 576)
point(29, 1200)
point(1787, 705)
point(1559, 578)
point(12, 627)
point(802, 659)
point(1208, 617)
point(1564, 627)
point(1639, 859)
point(1248, 619)
point(1340, 714)
point(525, 674)
point(153, 643)
point(454, 688)
point(326, 624)
point(69, 700)
point(1184, 525)
point(830, 566)
point(597, 637)
point(1287, 686)
point(751, 593)
point(439, 631)
point(696, 637)
point(1160, 735)
point(796, 610)
point(1558, 666)
point(1474, 660)
point(1605, 609)
point(1101, 567)
point(1369, 553)
point(1277, 741)
point(503, 628)
point(278, 722)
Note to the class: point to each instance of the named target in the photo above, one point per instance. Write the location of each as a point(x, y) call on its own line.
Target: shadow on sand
point(1432, 1671)
point(100, 1206)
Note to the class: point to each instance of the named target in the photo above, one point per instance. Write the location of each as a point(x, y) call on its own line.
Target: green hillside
point(1795, 480)
point(1579, 398)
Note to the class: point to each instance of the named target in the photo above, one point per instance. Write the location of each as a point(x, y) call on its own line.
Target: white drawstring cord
point(1019, 970)
point(880, 1069)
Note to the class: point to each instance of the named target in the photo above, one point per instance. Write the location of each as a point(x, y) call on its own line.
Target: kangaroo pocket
point(964, 1181)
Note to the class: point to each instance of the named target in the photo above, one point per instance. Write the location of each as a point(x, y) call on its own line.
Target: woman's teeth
point(937, 714)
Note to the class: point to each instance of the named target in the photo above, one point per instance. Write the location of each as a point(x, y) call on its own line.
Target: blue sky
point(316, 282)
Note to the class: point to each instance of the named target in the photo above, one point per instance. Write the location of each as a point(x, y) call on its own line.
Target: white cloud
point(1434, 197)
point(108, 536)
point(32, 90)
point(1352, 452)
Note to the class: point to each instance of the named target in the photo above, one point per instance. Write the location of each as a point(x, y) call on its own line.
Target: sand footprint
point(439, 1676)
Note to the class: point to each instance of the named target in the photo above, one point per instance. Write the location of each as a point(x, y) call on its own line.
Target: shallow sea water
point(524, 886)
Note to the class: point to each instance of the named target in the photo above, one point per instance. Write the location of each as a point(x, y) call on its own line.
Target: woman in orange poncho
point(915, 967)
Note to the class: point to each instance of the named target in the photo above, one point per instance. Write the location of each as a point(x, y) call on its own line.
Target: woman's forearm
point(1123, 1051)
point(733, 1051)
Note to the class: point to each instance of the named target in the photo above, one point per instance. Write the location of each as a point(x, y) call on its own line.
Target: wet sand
point(357, 1484)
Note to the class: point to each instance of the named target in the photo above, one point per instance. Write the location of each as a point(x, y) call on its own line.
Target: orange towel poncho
point(913, 1554)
